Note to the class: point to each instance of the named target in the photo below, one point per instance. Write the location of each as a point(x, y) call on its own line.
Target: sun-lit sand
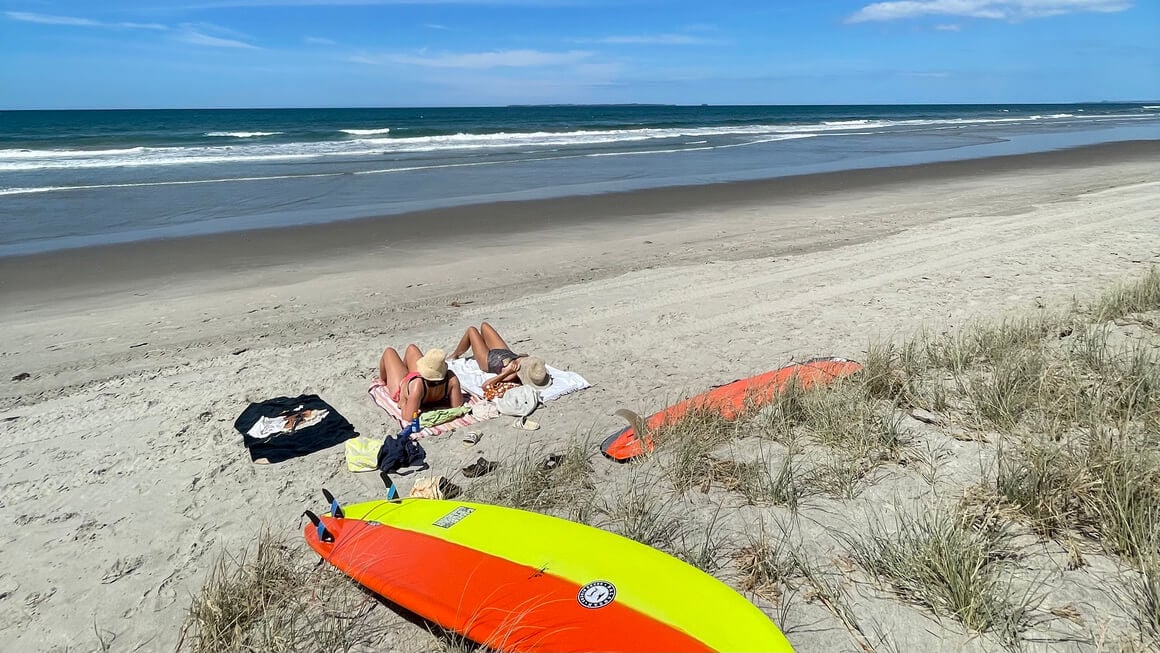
point(123, 478)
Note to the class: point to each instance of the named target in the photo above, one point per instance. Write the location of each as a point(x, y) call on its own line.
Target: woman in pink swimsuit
point(417, 380)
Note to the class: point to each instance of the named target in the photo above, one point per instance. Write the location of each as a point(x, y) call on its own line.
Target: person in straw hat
point(417, 380)
point(493, 354)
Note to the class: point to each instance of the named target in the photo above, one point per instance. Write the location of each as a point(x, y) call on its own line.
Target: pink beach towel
point(382, 397)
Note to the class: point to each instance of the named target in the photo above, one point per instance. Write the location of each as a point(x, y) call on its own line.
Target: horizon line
point(585, 104)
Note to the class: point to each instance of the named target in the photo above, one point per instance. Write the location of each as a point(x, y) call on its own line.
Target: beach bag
point(437, 487)
point(520, 401)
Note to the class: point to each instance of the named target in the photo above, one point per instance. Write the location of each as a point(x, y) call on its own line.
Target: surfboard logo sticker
point(454, 517)
point(596, 594)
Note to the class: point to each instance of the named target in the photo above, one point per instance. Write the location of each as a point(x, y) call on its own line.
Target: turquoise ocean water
point(79, 178)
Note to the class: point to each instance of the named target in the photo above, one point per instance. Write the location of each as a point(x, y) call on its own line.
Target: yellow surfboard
point(516, 580)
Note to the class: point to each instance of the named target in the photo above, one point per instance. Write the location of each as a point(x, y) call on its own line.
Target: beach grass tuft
point(766, 565)
point(703, 547)
point(640, 514)
point(535, 481)
point(689, 442)
point(1146, 594)
point(1097, 484)
point(938, 560)
point(274, 601)
point(1135, 296)
point(761, 485)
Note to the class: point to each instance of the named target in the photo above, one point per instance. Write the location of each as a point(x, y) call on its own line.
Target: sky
point(363, 53)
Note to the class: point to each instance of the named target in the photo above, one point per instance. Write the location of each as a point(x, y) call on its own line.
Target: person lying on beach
point(417, 380)
point(493, 354)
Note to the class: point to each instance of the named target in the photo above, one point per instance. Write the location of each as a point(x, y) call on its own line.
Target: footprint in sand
point(121, 568)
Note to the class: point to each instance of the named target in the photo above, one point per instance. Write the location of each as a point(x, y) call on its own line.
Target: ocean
point(81, 178)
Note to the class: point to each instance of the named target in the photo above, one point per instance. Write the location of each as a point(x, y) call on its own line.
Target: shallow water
point(79, 178)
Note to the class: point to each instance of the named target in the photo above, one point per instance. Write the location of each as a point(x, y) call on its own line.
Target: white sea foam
point(366, 132)
point(142, 184)
point(368, 145)
point(243, 134)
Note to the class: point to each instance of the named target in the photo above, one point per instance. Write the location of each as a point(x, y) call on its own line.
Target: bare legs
point(392, 367)
point(491, 337)
point(481, 341)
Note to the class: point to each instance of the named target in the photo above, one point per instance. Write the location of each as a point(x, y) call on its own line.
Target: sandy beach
point(123, 478)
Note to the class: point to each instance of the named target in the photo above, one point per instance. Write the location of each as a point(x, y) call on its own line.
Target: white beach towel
point(472, 378)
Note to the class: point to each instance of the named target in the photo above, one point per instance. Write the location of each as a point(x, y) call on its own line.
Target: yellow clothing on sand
point(362, 453)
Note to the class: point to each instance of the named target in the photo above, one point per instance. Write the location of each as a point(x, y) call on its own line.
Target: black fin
point(392, 492)
point(335, 509)
point(324, 535)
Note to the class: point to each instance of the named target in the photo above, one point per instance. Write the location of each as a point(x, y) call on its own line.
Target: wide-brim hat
point(432, 366)
point(534, 372)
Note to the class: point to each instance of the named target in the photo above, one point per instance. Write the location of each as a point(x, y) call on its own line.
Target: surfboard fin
point(634, 420)
point(392, 493)
point(324, 535)
point(335, 509)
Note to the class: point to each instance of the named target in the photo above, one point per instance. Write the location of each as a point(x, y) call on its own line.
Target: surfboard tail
point(324, 534)
point(628, 442)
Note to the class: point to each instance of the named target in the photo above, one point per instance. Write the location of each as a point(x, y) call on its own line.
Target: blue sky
point(279, 53)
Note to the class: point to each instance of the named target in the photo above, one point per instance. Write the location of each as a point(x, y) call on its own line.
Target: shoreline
point(90, 269)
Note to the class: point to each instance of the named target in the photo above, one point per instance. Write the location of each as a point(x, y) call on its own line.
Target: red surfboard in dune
point(728, 400)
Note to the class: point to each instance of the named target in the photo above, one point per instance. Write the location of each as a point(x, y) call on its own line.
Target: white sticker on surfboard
point(596, 594)
point(454, 517)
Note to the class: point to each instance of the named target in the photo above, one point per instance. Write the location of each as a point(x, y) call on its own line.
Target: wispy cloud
point(435, 26)
point(992, 9)
point(653, 39)
point(198, 38)
point(479, 60)
point(947, 28)
point(73, 21)
point(318, 40)
point(192, 33)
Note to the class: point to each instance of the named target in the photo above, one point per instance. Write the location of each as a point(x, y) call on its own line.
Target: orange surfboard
point(514, 580)
point(728, 400)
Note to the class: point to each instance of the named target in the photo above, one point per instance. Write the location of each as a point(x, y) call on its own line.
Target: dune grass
point(1145, 592)
point(1068, 404)
point(688, 444)
point(1096, 485)
point(536, 480)
point(766, 564)
point(763, 483)
point(938, 560)
point(1134, 296)
point(275, 601)
point(639, 513)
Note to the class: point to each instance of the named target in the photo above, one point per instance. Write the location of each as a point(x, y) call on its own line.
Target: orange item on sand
point(728, 400)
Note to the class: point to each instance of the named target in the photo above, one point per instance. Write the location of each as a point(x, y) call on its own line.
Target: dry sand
point(123, 479)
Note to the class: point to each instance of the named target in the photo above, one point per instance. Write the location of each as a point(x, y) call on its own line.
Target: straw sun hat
point(534, 372)
point(432, 365)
